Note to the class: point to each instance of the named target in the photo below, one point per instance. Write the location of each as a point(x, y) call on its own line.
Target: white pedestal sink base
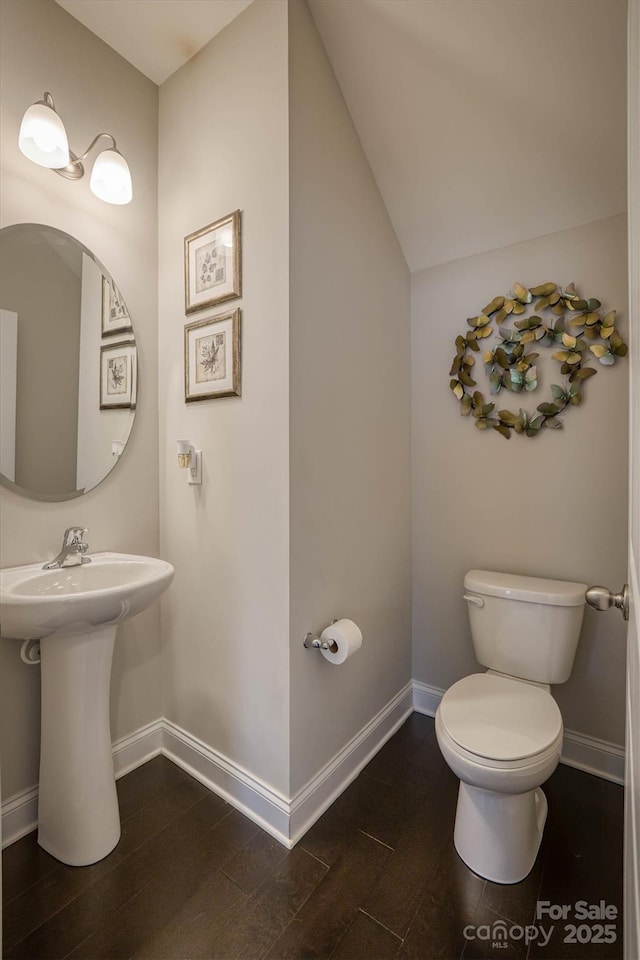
point(74, 611)
point(78, 815)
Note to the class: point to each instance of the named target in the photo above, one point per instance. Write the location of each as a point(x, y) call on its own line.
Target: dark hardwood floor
point(376, 877)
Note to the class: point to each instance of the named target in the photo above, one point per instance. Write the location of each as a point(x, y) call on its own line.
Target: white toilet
point(501, 731)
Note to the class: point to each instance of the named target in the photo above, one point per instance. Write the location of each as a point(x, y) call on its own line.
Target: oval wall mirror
point(68, 365)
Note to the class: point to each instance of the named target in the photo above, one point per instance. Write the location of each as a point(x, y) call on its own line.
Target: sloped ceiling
point(485, 122)
point(156, 36)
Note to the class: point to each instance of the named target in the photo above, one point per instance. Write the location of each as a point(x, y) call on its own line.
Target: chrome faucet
point(73, 550)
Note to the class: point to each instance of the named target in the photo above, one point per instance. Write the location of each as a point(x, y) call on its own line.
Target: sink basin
point(35, 603)
point(74, 612)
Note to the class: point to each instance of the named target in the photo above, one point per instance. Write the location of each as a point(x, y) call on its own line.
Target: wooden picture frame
point(118, 375)
point(212, 264)
point(212, 358)
point(115, 315)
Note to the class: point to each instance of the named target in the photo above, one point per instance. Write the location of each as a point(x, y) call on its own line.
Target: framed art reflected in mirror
point(58, 437)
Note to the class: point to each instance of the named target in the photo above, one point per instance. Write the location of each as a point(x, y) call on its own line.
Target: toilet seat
point(500, 721)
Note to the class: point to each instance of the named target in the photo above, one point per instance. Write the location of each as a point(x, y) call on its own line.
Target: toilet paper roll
point(347, 635)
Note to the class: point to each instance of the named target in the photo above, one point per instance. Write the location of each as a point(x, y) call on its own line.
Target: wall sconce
point(43, 139)
point(190, 458)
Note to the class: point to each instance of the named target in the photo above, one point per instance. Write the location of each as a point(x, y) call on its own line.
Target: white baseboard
point(256, 799)
point(312, 800)
point(19, 815)
point(20, 812)
point(426, 699)
point(135, 749)
point(289, 819)
point(286, 820)
point(599, 757)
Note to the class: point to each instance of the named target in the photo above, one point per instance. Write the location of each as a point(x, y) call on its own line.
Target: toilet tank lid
point(559, 593)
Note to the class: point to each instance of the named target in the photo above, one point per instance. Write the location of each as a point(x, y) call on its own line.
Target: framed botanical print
point(212, 358)
point(118, 375)
point(212, 264)
point(115, 315)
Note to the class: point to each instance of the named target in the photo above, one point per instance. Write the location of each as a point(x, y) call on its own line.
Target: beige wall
point(226, 621)
point(223, 146)
point(349, 414)
point(43, 48)
point(551, 506)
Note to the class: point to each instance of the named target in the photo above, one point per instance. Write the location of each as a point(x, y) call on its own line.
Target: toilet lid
point(499, 718)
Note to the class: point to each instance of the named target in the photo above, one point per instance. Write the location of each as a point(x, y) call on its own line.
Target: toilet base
point(498, 835)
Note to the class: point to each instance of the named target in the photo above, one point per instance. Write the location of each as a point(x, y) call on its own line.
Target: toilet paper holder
point(311, 642)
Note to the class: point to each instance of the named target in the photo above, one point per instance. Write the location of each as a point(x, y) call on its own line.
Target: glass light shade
point(110, 178)
point(43, 137)
point(185, 451)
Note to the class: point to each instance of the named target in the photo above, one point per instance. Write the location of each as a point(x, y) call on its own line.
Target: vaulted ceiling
point(486, 122)
point(156, 36)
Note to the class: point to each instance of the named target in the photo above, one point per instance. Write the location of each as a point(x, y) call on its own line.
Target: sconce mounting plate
point(73, 170)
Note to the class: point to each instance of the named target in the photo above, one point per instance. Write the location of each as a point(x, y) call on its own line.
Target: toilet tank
point(525, 627)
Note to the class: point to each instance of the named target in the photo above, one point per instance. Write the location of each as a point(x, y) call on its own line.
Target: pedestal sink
point(74, 612)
